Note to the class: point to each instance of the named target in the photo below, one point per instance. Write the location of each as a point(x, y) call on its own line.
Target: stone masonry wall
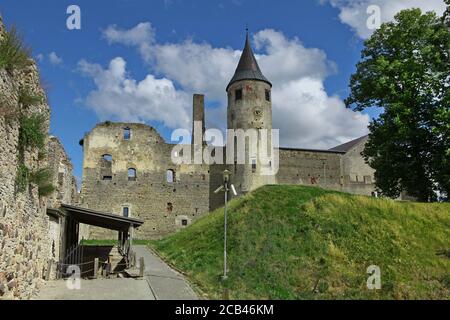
point(164, 206)
point(25, 246)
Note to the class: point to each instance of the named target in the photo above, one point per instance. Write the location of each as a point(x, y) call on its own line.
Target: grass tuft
point(13, 53)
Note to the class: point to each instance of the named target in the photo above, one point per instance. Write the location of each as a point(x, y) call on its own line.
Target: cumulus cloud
point(122, 98)
point(302, 109)
point(54, 59)
point(140, 36)
point(354, 12)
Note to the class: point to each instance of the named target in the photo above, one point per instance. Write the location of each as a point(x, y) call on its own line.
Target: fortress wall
point(25, 229)
point(24, 242)
point(309, 168)
point(62, 177)
point(149, 196)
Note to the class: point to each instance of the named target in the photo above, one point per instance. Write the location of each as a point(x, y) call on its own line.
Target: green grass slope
point(294, 242)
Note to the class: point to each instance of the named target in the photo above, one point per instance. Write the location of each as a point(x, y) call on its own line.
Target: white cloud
point(120, 97)
point(54, 59)
point(141, 36)
point(40, 57)
point(302, 109)
point(354, 12)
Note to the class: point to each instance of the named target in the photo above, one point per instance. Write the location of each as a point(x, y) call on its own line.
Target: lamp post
point(225, 187)
point(226, 179)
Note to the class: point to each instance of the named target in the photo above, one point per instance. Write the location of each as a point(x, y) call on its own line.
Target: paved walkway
point(165, 283)
point(160, 282)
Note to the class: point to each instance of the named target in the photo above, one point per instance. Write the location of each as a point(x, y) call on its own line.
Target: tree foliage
point(405, 70)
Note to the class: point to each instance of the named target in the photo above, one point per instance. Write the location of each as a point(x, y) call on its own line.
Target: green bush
point(31, 132)
point(27, 98)
point(22, 178)
point(13, 53)
point(43, 178)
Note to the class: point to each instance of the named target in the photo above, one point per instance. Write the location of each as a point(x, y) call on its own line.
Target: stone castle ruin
point(128, 170)
point(129, 178)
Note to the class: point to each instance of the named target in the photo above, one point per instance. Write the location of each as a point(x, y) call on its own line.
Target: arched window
point(131, 174)
point(170, 176)
point(106, 167)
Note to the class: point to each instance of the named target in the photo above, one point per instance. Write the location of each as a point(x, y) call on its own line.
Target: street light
point(225, 189)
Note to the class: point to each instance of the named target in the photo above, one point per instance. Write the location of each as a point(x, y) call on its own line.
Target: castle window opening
point(131, 174)
point(238, 94)
point(170, 176)
point(267, 95)
point(253, 165)
point(127, 134)
point(184, 222)
point(169, 207)
point(126, 212)
point(106, 167)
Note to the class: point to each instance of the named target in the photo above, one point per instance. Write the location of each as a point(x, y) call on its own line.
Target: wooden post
point(95, 268)
point(108, 269)
point(141, 267)
point(49, 269)
point(226, 294)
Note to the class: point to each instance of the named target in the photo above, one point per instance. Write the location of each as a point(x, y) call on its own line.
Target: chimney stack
point(198, 116)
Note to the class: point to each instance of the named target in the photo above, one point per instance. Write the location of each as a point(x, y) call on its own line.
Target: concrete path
point(165, 283)
point(99, 289)
point(160, 282)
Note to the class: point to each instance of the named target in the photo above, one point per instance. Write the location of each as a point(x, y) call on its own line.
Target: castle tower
point(250, 107)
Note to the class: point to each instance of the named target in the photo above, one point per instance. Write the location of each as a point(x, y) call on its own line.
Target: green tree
point(405, 71)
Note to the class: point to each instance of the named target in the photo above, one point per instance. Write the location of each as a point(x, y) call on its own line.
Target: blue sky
point(319, 36)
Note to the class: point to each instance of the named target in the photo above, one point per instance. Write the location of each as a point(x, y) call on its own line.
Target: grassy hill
point(295, 242)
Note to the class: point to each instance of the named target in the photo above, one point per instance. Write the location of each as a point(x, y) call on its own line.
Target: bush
point(31, 132)
point(43, 178)
point(22, 178)
point(13, 53)
point(27, 98)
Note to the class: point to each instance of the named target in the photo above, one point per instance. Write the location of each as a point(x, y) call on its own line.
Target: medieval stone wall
point(62, 177)
point(25, 244)
point(309, 168)
point(165, 206)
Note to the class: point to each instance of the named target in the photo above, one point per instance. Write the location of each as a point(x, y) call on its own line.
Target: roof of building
point(101, 219)
point(248, 68)
point(311, 150)
point(345, 147)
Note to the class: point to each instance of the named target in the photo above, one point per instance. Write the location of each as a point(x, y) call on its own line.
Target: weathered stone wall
point(308, 167)
point(25, 241)
point(342, 171)
point(359, 177)
point(62, 175)
point(161, 204)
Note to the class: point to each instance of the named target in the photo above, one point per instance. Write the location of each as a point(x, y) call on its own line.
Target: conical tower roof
point(248, 68)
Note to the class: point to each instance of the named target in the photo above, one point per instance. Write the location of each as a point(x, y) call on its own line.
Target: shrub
point(27, 98)
point(22, 178)
point(13, 53)
point(43, 178)
point(31, 132)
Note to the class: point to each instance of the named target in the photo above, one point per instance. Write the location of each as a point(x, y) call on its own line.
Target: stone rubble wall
point(25, 246)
